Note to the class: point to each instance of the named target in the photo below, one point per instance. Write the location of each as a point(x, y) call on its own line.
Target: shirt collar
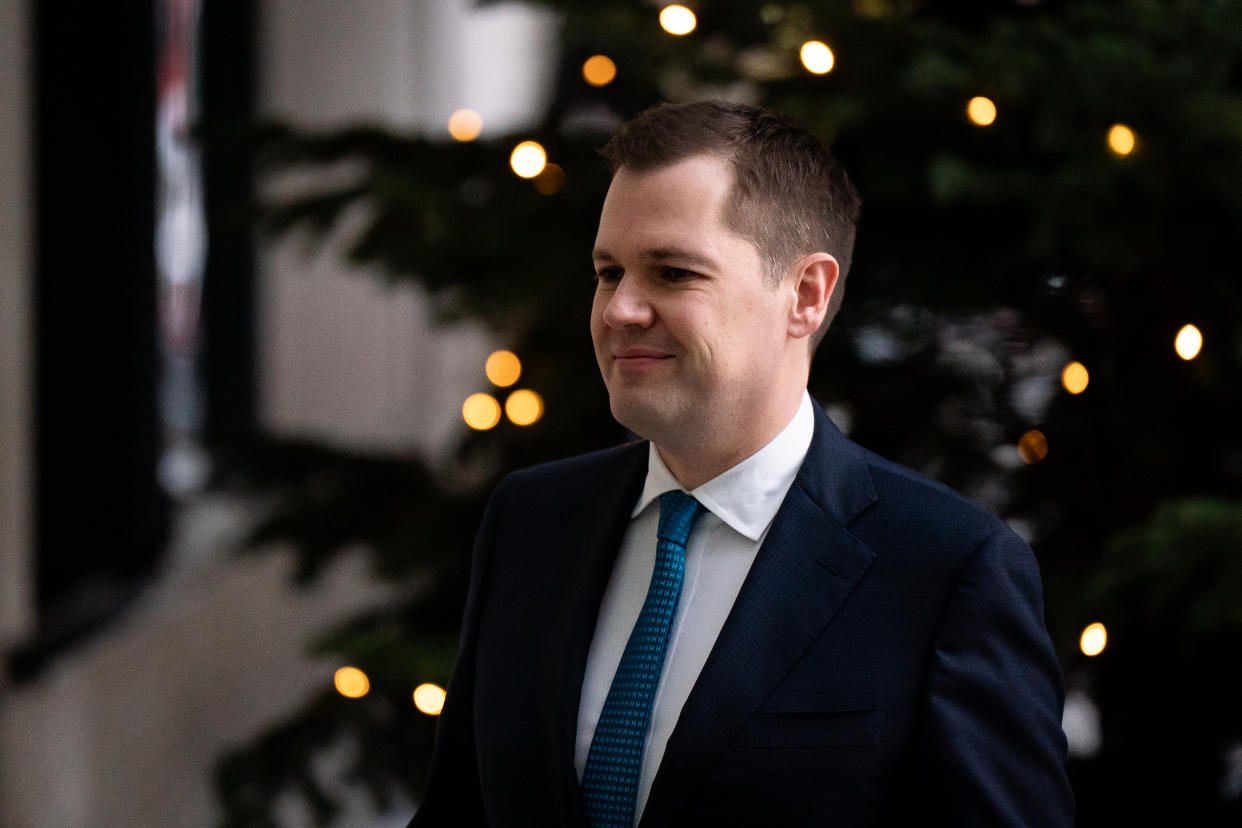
point(747, 496)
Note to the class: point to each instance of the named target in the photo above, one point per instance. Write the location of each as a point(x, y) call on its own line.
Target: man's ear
point(813, 280)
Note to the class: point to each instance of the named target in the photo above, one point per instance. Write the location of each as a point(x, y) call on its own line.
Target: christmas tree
point(1050, 195)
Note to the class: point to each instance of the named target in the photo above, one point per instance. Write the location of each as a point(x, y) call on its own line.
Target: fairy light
point(503, 368)
point(677, 20)
point(1075, 378)
point(1188, 343)
point(429, 698)
point(351, 682)
point(1033, 446)
point(465, 125)
point(817, 57)
point(1121, 140)
point(551, 180)
point(524, 407)
point(599, 70)
point(528, 159)
point(1093, 640)
point(981, 110)
point(481, 411)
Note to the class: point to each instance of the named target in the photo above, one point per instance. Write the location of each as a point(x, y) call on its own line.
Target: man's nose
point(629, 304)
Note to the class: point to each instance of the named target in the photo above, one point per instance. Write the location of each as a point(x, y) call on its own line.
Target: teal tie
point(615, 761)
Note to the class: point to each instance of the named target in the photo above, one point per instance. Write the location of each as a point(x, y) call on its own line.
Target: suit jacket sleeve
point(453, 796)
point(992, 750)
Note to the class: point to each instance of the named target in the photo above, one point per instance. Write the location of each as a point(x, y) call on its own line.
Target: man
point(746, 619)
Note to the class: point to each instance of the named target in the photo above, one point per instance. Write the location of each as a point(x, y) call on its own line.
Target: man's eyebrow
point(663, 254)
point(681, 256)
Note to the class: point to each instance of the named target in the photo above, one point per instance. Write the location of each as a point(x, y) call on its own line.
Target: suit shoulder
point(917, 505)
point(581, 472)
point(895, 478)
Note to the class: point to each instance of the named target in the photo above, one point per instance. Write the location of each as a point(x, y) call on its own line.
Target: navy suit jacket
point(885, 662)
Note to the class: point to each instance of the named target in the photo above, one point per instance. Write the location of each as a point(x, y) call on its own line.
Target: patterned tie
point(614, 763)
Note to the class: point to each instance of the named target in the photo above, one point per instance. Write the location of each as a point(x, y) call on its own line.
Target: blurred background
point(285, 287)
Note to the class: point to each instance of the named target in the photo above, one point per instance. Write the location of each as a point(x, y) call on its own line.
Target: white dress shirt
point(741, 504)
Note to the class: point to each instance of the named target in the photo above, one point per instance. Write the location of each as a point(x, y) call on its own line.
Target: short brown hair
point(790, 195)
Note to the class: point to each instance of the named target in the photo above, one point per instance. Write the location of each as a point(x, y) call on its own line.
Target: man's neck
point(698, 462)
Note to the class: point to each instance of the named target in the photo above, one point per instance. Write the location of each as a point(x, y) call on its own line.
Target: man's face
point(688, 334)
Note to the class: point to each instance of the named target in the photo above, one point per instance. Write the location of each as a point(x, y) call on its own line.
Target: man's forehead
point(666, 201)
point(704, 164)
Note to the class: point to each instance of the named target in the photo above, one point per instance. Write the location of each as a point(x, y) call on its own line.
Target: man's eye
point(677, 274)
point(607, 275)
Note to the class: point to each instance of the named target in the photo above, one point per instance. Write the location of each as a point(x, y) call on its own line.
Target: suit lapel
point(593, 535)
point(804, 571)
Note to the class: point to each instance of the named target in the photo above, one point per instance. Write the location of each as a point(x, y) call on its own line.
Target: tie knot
point(678, 512)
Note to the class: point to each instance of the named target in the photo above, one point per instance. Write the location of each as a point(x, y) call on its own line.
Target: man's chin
point(645, 417)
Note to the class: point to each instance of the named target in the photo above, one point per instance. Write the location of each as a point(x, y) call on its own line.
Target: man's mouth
point(640, 354)
point(627, 360)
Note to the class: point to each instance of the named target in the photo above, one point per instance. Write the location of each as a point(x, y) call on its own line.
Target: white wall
point(16, 169)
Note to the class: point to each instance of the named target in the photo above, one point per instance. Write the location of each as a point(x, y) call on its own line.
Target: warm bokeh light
point(1093, 640)
point(351, 682)
point(480, 411)
point(524, 407)
point(677, 20)
point(599, 70)
point(817, 57)
point(981, 110)
point(528, 159)
point(429, 699)
point(465, 124)
point(1121, 139)
point(1189, 342)
point(1074, 377)
point(1033, 446)
point(503, 368)
point(550, 180)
